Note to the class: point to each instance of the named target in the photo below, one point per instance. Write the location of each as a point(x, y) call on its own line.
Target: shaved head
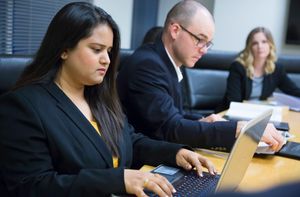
point(184, 11)
point(189, 28)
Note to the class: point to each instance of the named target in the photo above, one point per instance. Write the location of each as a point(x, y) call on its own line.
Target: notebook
point(187, 183)
point(247, 111)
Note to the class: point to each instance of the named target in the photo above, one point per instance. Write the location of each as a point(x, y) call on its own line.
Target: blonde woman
point(255, 74)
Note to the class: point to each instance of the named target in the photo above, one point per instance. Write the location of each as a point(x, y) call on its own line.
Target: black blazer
point(151, 96)
point(48, 148)
point(239, 86)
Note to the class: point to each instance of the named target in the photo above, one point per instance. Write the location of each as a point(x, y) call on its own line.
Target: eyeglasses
point(199, 41)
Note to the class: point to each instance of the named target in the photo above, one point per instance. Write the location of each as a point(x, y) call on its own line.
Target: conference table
point(264, 171)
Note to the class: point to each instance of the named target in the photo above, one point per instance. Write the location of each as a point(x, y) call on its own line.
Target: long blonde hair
point(246, 57)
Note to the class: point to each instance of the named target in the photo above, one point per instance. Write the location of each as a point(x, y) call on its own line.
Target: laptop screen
point(243, 151)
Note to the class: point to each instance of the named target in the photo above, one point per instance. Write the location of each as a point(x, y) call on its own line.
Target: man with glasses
point(199, 42)
point(150, 91)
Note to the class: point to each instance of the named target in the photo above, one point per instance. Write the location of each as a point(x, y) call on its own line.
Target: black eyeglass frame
point(199, 41)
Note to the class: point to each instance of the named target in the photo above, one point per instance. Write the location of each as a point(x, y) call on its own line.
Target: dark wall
point(144, 17)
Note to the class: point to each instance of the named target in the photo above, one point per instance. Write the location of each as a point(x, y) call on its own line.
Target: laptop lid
point(243, 151)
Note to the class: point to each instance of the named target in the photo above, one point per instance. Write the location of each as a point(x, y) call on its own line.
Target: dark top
point(48, 148)
point(151, 96)
point(239, 86)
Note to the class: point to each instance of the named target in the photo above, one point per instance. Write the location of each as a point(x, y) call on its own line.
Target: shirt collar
point(177, 69)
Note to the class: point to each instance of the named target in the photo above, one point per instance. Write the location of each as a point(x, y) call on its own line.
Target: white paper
point(249, 111)
point(291, 101)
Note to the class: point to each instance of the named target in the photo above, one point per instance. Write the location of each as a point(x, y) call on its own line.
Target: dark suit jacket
point(48, 148)
point(239, 86)
point(151, 96)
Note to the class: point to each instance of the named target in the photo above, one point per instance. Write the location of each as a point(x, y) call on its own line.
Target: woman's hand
point(136, 181)
point(188, 160)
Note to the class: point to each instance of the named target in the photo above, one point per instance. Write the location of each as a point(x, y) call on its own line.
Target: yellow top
point(115, 159)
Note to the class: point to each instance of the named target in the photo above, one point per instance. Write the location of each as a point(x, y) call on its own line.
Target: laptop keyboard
point(191, 185)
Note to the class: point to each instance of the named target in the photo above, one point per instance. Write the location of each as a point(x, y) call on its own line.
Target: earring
point(64, 56)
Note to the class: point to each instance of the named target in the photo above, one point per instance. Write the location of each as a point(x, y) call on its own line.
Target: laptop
point(187, 183)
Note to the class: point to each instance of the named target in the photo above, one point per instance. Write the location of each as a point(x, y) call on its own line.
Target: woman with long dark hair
point(63, 132)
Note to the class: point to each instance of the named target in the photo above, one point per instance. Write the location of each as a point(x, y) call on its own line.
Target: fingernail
point(201, 175)
point(174, 191)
